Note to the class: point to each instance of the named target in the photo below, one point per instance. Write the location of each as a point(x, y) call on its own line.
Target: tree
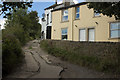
point(36, 27)
point(18, 24)
point(27, 22)
point(106, 8)
point(6, 7)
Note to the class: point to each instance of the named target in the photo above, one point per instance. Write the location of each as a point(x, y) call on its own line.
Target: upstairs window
point(96, 14)
point(77, 10)
point(47, 19)
point(115, 30)
point(64, 34)
point(65, 15)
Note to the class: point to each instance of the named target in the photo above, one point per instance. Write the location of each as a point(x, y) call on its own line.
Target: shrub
point(18, 31)
point(11, 53)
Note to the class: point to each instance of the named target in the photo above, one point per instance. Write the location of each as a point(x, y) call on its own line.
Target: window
point(115, 30)
point(91, 34)
point(64, 34)
point(47, 18)
point(51, 18)
point(96, 13)
point(65, 15)
point(77, 12)
point(82, 34)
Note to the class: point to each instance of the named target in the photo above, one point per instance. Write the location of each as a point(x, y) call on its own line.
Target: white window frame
point(115, 30)
point(89, 34)
point(84, 34)
point(64, 34)
point(77, 12)
point(47, 19)
point(64, 14)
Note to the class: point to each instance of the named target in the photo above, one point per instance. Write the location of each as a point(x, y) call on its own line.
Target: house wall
point(48, 11)
point(87, 20)
point(44, 24)
point(58, 24)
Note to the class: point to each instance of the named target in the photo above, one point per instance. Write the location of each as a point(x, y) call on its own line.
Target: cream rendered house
point(46, 21)
point(79, 23)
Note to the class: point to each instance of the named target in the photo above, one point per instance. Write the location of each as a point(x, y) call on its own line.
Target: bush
point(20, 27)
point(18, 31)
point(11, 53)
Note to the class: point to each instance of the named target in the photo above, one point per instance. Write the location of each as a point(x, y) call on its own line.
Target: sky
point(39, 6)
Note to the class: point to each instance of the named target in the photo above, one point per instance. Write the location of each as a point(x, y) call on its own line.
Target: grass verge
point(94, 62)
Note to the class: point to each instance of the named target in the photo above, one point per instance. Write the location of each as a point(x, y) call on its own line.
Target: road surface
point(39, 64)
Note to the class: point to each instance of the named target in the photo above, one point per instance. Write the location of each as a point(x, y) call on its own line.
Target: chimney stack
point(55, 1)
point(67, 2)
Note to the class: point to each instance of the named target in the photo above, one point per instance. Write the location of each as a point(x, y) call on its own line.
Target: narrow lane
point(39, 64)
point(35, 65)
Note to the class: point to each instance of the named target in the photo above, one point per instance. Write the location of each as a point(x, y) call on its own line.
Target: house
point(46, 21)
point(79, 23)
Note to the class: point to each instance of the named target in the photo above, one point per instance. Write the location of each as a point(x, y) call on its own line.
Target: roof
point(52, 6)
point(82, 3)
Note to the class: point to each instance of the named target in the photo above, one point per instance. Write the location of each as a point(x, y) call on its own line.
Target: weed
point(30, 47)
point(106, 64)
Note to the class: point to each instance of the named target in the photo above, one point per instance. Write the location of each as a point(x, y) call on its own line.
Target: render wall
point(87, 20)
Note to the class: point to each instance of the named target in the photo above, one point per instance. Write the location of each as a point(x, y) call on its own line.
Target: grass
point(30, 47)
point(90, 61)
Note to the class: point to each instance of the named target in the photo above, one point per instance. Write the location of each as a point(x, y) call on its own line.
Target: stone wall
point(108, 53)
point(93, 48)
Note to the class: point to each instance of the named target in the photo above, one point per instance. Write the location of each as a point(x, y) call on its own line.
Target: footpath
point(39, 64)
point(35, 65)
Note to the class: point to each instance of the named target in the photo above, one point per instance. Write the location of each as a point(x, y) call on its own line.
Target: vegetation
point(21, 26)
point(91, 61)
point(106, 8)
point(24, 25)
point(30, 47)
point(7, 7)
point(11, 53)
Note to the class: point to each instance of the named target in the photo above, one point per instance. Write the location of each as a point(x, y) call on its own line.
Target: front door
point(48, 32)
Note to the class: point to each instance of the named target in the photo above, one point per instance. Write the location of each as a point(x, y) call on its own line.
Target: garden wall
point(103, 56)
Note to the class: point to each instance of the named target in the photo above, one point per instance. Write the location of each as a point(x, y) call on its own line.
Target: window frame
point(96, 15)
point(51, 18)
point(113, 30)
point(77, 13)
point(88, 33)
point(64, 34)
point(85, 33)
point(47, 19)
point(64, 15)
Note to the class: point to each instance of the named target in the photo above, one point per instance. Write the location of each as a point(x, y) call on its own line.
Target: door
point(82, 34)
point(91, 35)
point(48, 33)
